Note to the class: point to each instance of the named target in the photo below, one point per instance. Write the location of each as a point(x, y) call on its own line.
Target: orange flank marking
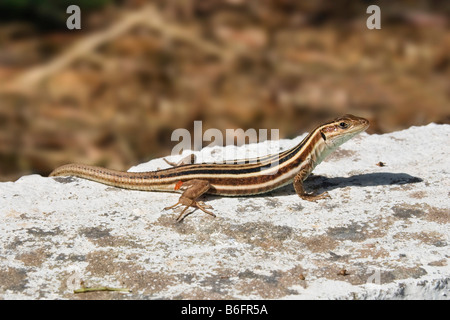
point(178, 185)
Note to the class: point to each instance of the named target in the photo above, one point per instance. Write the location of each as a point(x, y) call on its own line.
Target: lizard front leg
point(193, 189)
point(298, 183)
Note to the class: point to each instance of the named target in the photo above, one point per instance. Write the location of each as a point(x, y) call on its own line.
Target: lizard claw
point(315, 197)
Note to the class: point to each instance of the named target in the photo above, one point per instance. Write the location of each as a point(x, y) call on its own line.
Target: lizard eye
point(343, 125)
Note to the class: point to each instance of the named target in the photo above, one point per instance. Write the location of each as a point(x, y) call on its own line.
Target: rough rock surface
point(383, 234)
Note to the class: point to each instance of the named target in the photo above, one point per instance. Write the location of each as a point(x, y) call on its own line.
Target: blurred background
point(111, 93)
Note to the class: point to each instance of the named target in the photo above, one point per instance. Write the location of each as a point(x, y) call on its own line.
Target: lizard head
point(342, 129)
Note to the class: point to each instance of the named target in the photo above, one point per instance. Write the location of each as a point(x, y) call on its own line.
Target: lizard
point(241, 178)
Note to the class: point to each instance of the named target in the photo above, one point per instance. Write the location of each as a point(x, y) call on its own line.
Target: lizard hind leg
point(192, 190)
